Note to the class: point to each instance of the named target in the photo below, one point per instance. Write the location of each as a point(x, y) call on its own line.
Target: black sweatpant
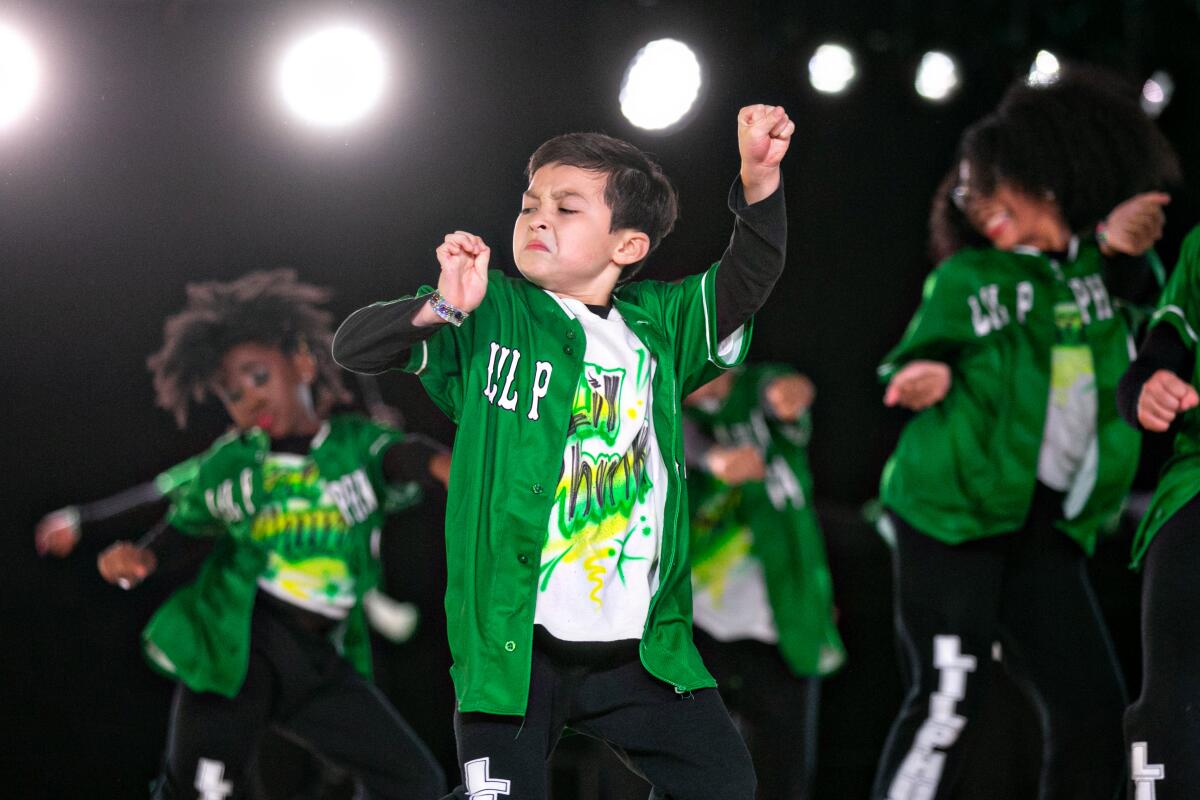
point(685, 745)
point(1028, 591)
point(774, 710)
point(297, 681)
point(1162, 729)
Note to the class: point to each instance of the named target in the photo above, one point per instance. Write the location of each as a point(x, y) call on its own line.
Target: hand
point(790, 396)
point(764, 133)
point(56, 534)
point(1164, 397)
point(439, 468)
point(394, 619)
point(918, 385)
point(1135, 225)
point(736, 465)
point(126, 565)
point(464, 259)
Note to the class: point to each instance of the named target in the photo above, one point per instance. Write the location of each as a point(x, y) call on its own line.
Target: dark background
point(159, 155)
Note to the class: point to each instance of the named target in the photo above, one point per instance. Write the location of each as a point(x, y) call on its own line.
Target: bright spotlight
point(661, 85)
point(19, 76)
point(937, 76)
point(831, 69)
point(1156, 93)
point(1044, 70)
point(333, 77)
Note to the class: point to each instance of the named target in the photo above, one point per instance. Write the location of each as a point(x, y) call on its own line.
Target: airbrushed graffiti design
point(304, 522)
point(600, 488)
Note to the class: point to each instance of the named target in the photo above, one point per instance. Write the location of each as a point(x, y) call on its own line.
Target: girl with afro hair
point(998, 487)
point(272, 631)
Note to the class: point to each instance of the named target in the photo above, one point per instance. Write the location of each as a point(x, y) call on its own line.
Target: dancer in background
point(761, 593)
point(272, 629)
point(998, 487)
point(1159, 394)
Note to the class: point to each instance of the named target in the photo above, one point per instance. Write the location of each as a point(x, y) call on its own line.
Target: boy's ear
point(632, 248)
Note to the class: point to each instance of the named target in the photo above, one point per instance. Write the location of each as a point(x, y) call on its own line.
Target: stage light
point(1156, 93)
point(19, 76)
point(937, 77)
point(831, 69)
point(1044, 70)
point(333, 77)
point(661, 85)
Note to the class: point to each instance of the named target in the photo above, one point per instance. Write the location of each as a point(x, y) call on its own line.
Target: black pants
point(775, 711)
point(298, 682)
point(1162, 729)
point(1029, 591)
point(685, 746)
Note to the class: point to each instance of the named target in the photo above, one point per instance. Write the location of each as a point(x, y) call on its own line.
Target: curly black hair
point(1083, 140)
point(270, 308)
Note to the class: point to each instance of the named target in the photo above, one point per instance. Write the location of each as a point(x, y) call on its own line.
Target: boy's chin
point(538, 277)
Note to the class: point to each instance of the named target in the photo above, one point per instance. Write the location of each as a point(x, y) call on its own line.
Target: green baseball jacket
point(1179, 481)
point(966, 467)
point(787, 537)
point(201, 635)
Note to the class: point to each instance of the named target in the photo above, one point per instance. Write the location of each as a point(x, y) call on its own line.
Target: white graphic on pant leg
point(921, 771)
point(1144, 775)
point(479, 785)
point(210, 780)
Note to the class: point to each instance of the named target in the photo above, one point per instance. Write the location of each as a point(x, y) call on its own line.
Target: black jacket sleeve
point(1163, 349)
point(753, 261)
point(377, 338)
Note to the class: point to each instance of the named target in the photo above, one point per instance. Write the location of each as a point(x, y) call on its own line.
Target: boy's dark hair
point(271, 308)
point(636, 190)
point(1084, 140)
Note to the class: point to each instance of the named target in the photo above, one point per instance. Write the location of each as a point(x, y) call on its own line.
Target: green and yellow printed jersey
point(759, 569)
point(297, 526)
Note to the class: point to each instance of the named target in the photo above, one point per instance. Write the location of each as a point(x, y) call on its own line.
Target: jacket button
point(570, 334)
point(568, 350)
point(524, 559)
point(510, 645)
point(537, 488)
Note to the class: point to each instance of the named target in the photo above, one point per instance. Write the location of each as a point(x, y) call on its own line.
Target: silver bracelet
point(445, 310)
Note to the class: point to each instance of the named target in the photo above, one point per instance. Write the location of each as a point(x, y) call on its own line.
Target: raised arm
point(753, 261)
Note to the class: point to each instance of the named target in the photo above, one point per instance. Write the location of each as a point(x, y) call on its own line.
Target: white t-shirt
point(729, 593)
point(599, 567)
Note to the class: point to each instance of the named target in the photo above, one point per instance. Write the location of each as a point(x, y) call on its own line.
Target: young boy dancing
point(568, 598)
point(272, 629)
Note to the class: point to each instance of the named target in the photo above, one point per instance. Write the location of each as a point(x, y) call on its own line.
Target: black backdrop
point(159, 155)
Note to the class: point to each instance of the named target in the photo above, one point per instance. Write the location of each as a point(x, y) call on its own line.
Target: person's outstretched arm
point(378, 337)
point(754, 259)
point(1155, 389)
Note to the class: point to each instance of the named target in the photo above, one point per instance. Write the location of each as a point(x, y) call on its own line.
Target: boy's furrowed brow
point(559, 195)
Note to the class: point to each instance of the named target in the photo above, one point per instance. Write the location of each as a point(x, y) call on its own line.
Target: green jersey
point(299, 527)
point(510, 378)
point(1033, 344)
point(1180, 478)
point(397, 497)
point(766, 528)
